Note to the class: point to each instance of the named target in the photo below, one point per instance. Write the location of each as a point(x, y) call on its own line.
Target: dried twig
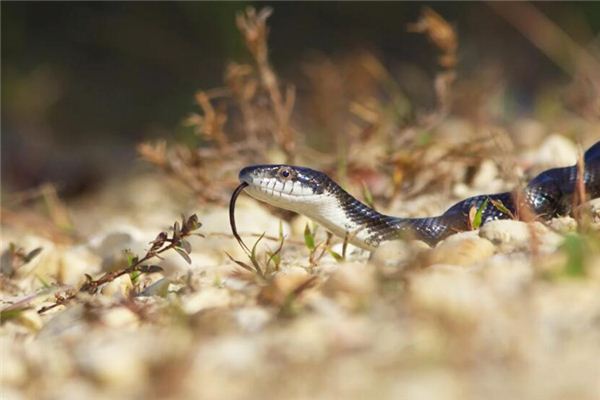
point(210, 124)
point(191, 167)
point(254, 28)
point(443, 35)
point(161, 244)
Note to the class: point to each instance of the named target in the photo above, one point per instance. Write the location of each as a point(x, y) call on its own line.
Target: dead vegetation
point(349, 105)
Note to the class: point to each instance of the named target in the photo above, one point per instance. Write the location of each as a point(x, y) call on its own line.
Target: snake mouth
point(275, 182)
point(277, 189)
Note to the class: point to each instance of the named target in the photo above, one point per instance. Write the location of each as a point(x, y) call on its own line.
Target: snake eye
point(285, 172)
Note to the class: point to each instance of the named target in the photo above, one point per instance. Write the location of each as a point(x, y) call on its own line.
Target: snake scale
point(314, 194)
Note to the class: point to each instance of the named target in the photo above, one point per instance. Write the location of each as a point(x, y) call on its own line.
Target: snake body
point(314, 194)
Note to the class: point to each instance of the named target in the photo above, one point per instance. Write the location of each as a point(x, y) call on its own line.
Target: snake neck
point(345, 216)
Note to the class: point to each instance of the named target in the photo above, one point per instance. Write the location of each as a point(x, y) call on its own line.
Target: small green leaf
point(8, 314)
point(150, 269)
point(253, 258)
point(253, 251)
point(499, 205)
point(183, 254)
point(32, 254)
point(44, 282)
point(478, 218)
point(186, 246)
point(309, 238)
point(134, 275)
point(275, 258)
point(131, 258)
point(240, 263)
point(193, 223)
point(335, 255)
point(159, 241)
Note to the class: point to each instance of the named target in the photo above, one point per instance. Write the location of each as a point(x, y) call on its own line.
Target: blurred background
point(83, 82)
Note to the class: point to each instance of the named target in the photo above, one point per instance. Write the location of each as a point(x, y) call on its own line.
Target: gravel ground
point(509, 311)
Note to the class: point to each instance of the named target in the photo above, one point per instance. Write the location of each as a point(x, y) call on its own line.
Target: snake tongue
point(234, 197)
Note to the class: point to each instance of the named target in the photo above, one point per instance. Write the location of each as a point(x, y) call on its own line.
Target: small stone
point(209, 297)
point(75, 390)
point(428, 384)
point(308, 336)
point(451, 290)
point(350, 333)
point(506, 232)
point(252, 319)
point(397, 253)
point(76, 262)
point(351, 285)
point(325, 306)
point(12, 393)
point(282, 285)
point(351, 278)
point(118, 287)
point(509, 274)
point(511, 235)
point(120, 317)
point(594, 207)
point(226, 355)
point(461, 236)
point(115, 363)
point(14, 370)
point(462, 249)
point(563, 224)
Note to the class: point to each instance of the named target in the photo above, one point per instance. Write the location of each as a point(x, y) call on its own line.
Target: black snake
point(314, 194)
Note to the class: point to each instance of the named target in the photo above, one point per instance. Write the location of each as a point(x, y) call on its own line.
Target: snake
point(314, 194)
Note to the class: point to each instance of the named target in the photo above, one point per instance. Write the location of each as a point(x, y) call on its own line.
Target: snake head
point(315, 195)
point(285, 186)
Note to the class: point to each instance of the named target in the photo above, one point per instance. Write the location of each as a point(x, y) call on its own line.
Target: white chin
point(275, 198)
point(323, 209)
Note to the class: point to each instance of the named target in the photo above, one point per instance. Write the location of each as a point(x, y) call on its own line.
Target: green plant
point(265, 269)
point(476, 215)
